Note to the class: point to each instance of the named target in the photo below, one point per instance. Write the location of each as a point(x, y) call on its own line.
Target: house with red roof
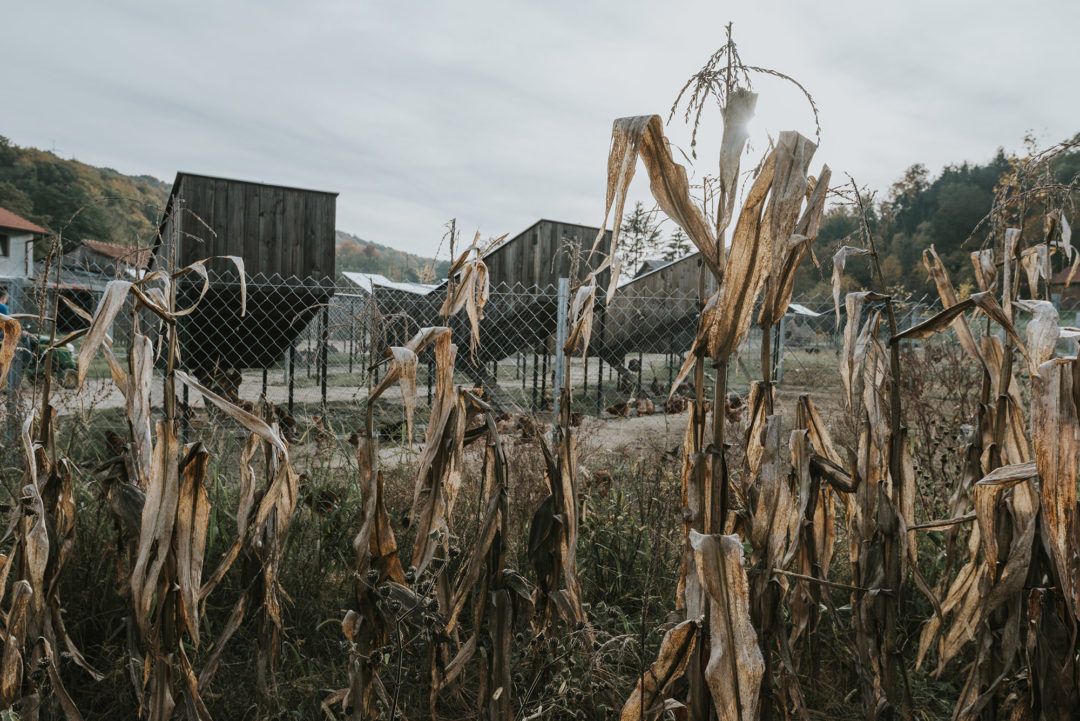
point(16, 235)
point(112, 260)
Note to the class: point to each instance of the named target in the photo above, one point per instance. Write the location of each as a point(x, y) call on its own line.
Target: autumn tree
point(640, 237)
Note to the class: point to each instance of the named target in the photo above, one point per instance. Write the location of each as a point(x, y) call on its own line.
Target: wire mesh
point(315, 350)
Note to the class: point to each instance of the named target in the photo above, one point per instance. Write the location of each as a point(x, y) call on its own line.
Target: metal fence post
point(598, 310)
point(779, 371)
point(324, 342)
point(352, 332)
point(536, 380)
point(292, 375)
point(560, 341)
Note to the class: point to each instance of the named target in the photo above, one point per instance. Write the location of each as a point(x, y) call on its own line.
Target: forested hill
point(84, 201)
point(77, 199)
point(919, 211)
point(361, 255)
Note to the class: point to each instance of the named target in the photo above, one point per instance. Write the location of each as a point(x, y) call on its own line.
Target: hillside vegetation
point(77, 200)
point(917, 211)
point(357, 254)
point(945, 211)
point(80, 201)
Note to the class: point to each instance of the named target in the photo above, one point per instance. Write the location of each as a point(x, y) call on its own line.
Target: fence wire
point(315, 350)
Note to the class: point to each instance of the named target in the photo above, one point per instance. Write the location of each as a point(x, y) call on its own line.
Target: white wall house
point(16, 254)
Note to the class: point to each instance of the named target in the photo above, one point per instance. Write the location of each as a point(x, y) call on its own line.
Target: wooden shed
point(277, 230)
point(629, 322)
point(524, 273)
point(521, 316)
point(286, 237)
point(542, 253)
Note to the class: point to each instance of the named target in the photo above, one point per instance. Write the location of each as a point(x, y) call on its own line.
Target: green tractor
point(33, 349)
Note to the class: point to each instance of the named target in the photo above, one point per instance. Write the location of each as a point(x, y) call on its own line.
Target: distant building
point(650, 264)
point(1065, 293)
point(371, 283)
point(112, 260)
point(285, 236)
point(16, 255)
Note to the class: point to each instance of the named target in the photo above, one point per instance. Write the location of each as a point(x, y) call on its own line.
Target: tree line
point(919, 210)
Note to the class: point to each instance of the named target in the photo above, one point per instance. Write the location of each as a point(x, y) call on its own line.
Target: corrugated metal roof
point(799, 309)
point(369, 281)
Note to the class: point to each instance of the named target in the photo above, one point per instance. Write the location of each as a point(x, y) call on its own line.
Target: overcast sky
point(499, 112)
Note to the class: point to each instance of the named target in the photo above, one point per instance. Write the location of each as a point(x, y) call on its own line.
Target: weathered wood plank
point(233, 240)
point(288, 231)
point(252, 227)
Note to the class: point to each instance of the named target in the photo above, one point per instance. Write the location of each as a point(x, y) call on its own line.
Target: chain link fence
point(315, 350)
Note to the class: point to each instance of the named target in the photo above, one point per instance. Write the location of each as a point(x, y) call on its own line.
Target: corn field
point(900, 543)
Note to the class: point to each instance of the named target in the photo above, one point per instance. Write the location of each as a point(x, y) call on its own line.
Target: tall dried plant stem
point(899, 697)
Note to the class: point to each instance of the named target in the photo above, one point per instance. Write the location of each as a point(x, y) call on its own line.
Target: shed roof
point(12, 221)
point(1061, 277)
point(73, 279)
point(132, 255)
point(181, 174)
point(369, 281)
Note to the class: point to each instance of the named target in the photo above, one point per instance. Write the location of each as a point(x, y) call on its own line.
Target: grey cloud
point(499, 112)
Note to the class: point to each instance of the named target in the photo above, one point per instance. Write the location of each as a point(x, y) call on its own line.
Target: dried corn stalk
point(262, 531)
point(553, 531)
point(10, 332)
point(159, 499)
point(438, 474)
point(497, 594)
point(469, 288)
point(648, 701)
point(735, 666)
point(769, 240)
point(44, 536)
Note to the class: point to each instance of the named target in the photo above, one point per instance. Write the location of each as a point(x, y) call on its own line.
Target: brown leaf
point(158, 519)
point(11, 663)
point(985, 271)
point(375, 540)
point(10, 332)
point(735, 667)
point(644, 136)
point(245, 418)
point(192, 521)
point(1056, 431)
point(839, 262)
point(768, 217)
point(939, 322)
point(738, 110)
point(654, 684)
point(936, 269)
point(469, 289)
point(986, 492)
point(781, 283)
point(581, 320)
point(112, 301)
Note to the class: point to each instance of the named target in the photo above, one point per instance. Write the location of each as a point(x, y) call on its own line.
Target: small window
point(5, 246)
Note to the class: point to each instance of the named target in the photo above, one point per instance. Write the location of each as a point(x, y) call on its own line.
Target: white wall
point(13, 265)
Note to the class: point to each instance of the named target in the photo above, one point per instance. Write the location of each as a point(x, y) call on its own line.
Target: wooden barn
point(630, 323)
point(285, 236)
point(524, 272)
point(521, 317)
point(544, 252)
